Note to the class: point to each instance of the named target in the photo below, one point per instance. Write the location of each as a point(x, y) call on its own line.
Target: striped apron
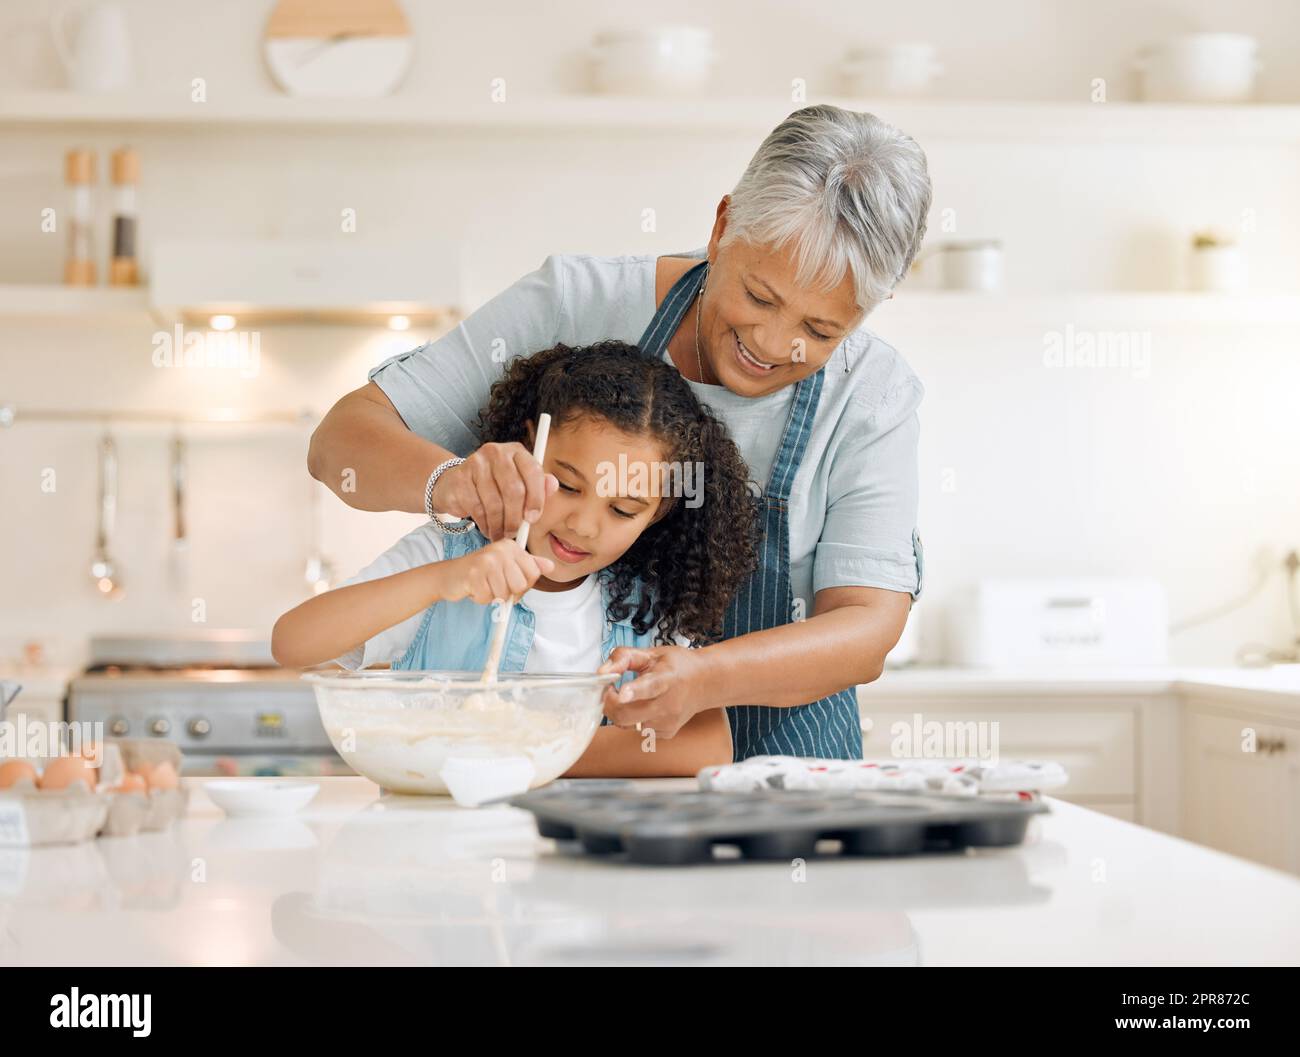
point(829, 728)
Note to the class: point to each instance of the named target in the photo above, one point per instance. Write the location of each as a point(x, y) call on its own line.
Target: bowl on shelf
point(1200, 68)
point(890, 71)
point(422, 732)
point(665, 60)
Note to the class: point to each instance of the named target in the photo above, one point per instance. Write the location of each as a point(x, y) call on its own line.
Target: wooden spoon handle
point(521, 537)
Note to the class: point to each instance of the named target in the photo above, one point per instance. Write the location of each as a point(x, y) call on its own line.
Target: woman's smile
point(747, 360)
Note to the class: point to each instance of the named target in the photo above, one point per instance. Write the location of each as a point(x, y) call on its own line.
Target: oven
point(218, 695)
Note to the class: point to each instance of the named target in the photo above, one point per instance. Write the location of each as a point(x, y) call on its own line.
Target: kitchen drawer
point(1098, 749)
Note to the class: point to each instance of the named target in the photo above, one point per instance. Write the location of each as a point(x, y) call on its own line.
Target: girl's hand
point(668, 690)
point(500, 570)
point(498, 486)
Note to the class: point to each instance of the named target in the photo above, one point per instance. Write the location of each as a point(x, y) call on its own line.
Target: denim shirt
point(457, 636)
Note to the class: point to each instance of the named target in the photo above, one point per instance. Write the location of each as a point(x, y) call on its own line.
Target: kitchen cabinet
point(1242, 793)
point(1161, 747)
point(1117, 733)
point(1095, 740)
point(1096, 747)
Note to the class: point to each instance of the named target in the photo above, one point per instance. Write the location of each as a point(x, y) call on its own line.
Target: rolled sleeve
point(870, 537)
point(439, 387)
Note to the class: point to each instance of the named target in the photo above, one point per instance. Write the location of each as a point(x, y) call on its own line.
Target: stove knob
point(199, 727)
point(119, 727)
point(159, 727)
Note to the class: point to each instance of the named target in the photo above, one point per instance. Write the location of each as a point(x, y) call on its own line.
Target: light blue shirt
point(853, 503)
point(458, 635)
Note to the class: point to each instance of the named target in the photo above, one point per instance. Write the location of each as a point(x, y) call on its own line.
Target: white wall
point(1186, 473)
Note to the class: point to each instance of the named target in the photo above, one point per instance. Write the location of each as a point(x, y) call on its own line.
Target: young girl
point(650, 533)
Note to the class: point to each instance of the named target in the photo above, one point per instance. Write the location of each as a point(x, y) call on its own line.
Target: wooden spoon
point(521, 537)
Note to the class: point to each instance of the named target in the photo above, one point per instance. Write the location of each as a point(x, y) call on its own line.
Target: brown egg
point(163, 776)
point(14, 771)
point(132, 783)
point(62, 772)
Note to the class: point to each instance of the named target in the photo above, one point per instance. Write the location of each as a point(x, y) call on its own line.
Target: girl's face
point(599, 509)
point(753, 310)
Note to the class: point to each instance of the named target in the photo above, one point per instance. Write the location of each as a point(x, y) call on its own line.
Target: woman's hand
point(499, 486)
point(669, 688)
point(500, 570)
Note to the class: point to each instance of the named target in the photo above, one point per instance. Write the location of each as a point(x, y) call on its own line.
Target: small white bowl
point(668, 60)
point(260, 797)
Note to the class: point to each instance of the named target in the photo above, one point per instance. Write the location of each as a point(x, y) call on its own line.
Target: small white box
point(1010, 623)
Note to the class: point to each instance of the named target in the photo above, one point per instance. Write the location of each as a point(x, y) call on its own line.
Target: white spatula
point(521, 537)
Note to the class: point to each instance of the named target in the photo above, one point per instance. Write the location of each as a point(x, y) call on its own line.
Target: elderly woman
point(827, 218)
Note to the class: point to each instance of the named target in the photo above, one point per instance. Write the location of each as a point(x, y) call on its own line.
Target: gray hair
point(851, 191)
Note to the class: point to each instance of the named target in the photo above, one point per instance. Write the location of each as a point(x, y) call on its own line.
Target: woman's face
point(752, 310)
point(603, 503)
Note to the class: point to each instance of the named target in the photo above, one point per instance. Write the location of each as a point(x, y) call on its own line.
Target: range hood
point(282, 281)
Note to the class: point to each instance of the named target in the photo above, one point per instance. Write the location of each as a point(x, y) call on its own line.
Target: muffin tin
point(677, 828)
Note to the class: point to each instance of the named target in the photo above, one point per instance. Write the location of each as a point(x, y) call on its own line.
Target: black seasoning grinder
point(123, 269)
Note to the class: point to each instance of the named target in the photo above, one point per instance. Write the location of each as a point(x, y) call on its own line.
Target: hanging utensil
point(179, 536)
point(9, 689)
point(102, 568)
point(521, 537)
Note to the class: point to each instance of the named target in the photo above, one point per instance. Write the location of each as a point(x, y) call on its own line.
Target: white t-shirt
point(568, 634)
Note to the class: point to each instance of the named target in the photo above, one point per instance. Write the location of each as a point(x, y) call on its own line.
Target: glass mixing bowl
point(408, 730)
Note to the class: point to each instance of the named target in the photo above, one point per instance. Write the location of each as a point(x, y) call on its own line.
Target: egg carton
point(677, 828)
point(33, 817)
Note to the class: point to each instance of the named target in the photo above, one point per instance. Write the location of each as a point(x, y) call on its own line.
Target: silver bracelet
point(455, 526)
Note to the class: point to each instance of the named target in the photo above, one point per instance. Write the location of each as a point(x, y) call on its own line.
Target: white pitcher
point(99, 60)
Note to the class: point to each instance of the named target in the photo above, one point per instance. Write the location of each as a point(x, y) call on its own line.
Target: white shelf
point(928, 120)
point(83, 303)
point(917, 308)
point(107, 304)
point(1123, 310)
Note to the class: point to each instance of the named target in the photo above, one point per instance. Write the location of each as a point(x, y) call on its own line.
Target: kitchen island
point(360, 878)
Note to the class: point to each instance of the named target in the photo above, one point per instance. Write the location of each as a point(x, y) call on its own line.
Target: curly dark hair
point(692, 561)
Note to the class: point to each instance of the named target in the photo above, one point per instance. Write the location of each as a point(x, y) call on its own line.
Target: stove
point(218, 695)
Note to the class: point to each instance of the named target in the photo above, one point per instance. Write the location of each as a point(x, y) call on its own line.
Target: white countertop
point(1279, 684)
point(357, 878)
point(1281, 681)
